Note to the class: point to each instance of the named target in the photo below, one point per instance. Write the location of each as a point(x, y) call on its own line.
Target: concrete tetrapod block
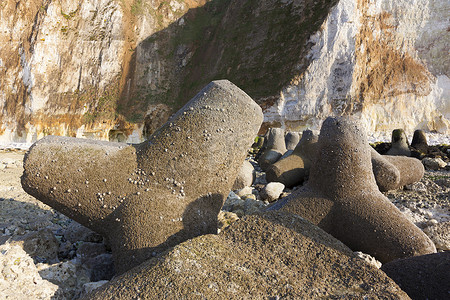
point(291, 139)
point(342, 197)
point(386, 174)
point(272, 256)
point(399, 143)
point(393, 172)
point(411, 169)
point(274, 149)
point(293, 169)
point(422, 277)
point(419, 141)
point(145, 198)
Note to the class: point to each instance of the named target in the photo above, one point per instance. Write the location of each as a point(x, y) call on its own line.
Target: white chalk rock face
point(382, 60)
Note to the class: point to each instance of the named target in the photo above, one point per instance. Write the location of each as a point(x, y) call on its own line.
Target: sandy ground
point(26, 275)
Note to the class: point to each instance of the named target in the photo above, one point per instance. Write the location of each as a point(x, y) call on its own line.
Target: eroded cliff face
point(117, 69)
point(382, 60)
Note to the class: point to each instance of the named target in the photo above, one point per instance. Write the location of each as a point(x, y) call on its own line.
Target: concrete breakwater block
point(293, 169)
point(399, 144)
point(275, 147)
point(291, 139)
point(422, 277)
point(273, 256)
point(342, 197)
point(145, 198)
point(393, 172)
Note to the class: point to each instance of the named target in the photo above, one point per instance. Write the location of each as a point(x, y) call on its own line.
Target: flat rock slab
point(145, 198)
point(273, 256)
point(422, 277)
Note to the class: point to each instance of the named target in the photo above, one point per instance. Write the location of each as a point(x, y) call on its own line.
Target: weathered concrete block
point(293, 169)
point(393, 172)
point(277, 255)
point(419, 141)
point(422, 277)
point(342, 197)
point(399, 143)
point(411, 169)
point(386, 174)
point(274, 149)
point(145, 198)
point(291, 139)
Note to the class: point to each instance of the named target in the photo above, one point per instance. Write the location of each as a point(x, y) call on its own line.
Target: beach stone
point(147, 197)
point(422, 277)
point(342, 197)
point(19, 277)
point(387, 176)
point(419, 141)
point(275, 256)
point(101, 267)
point(368, 259)
point(245, 177)
point(76, 232)
point(90, 286)
point(419, 187)
point(440, 235)
point(225, 219)
point(42, 245)
point(274, 149)
point(399, 143)
point(433, 163)
point(67, 275)
point(242, 207)
point(293, 169)
point(291, 139)
point(246, 191)
point(89, 250)
point(272, 191)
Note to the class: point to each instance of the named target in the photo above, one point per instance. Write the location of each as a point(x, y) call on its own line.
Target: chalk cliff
point(117, 69)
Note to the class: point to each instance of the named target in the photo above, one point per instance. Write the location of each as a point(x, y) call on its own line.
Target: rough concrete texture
point(274, 256)
point(419, 141)
point(291, 139)
point(386, 174)
point(245, 176)
point(293, 169)
point(411, 169)
point(393, 172)
point(399, 143)
point(342, 197)
point(275, 148)
point(422, 277)
point(145, 198)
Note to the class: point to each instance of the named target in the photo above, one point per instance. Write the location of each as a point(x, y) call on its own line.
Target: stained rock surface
point(145, 198)
point(276, 255)
point(342, 197)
